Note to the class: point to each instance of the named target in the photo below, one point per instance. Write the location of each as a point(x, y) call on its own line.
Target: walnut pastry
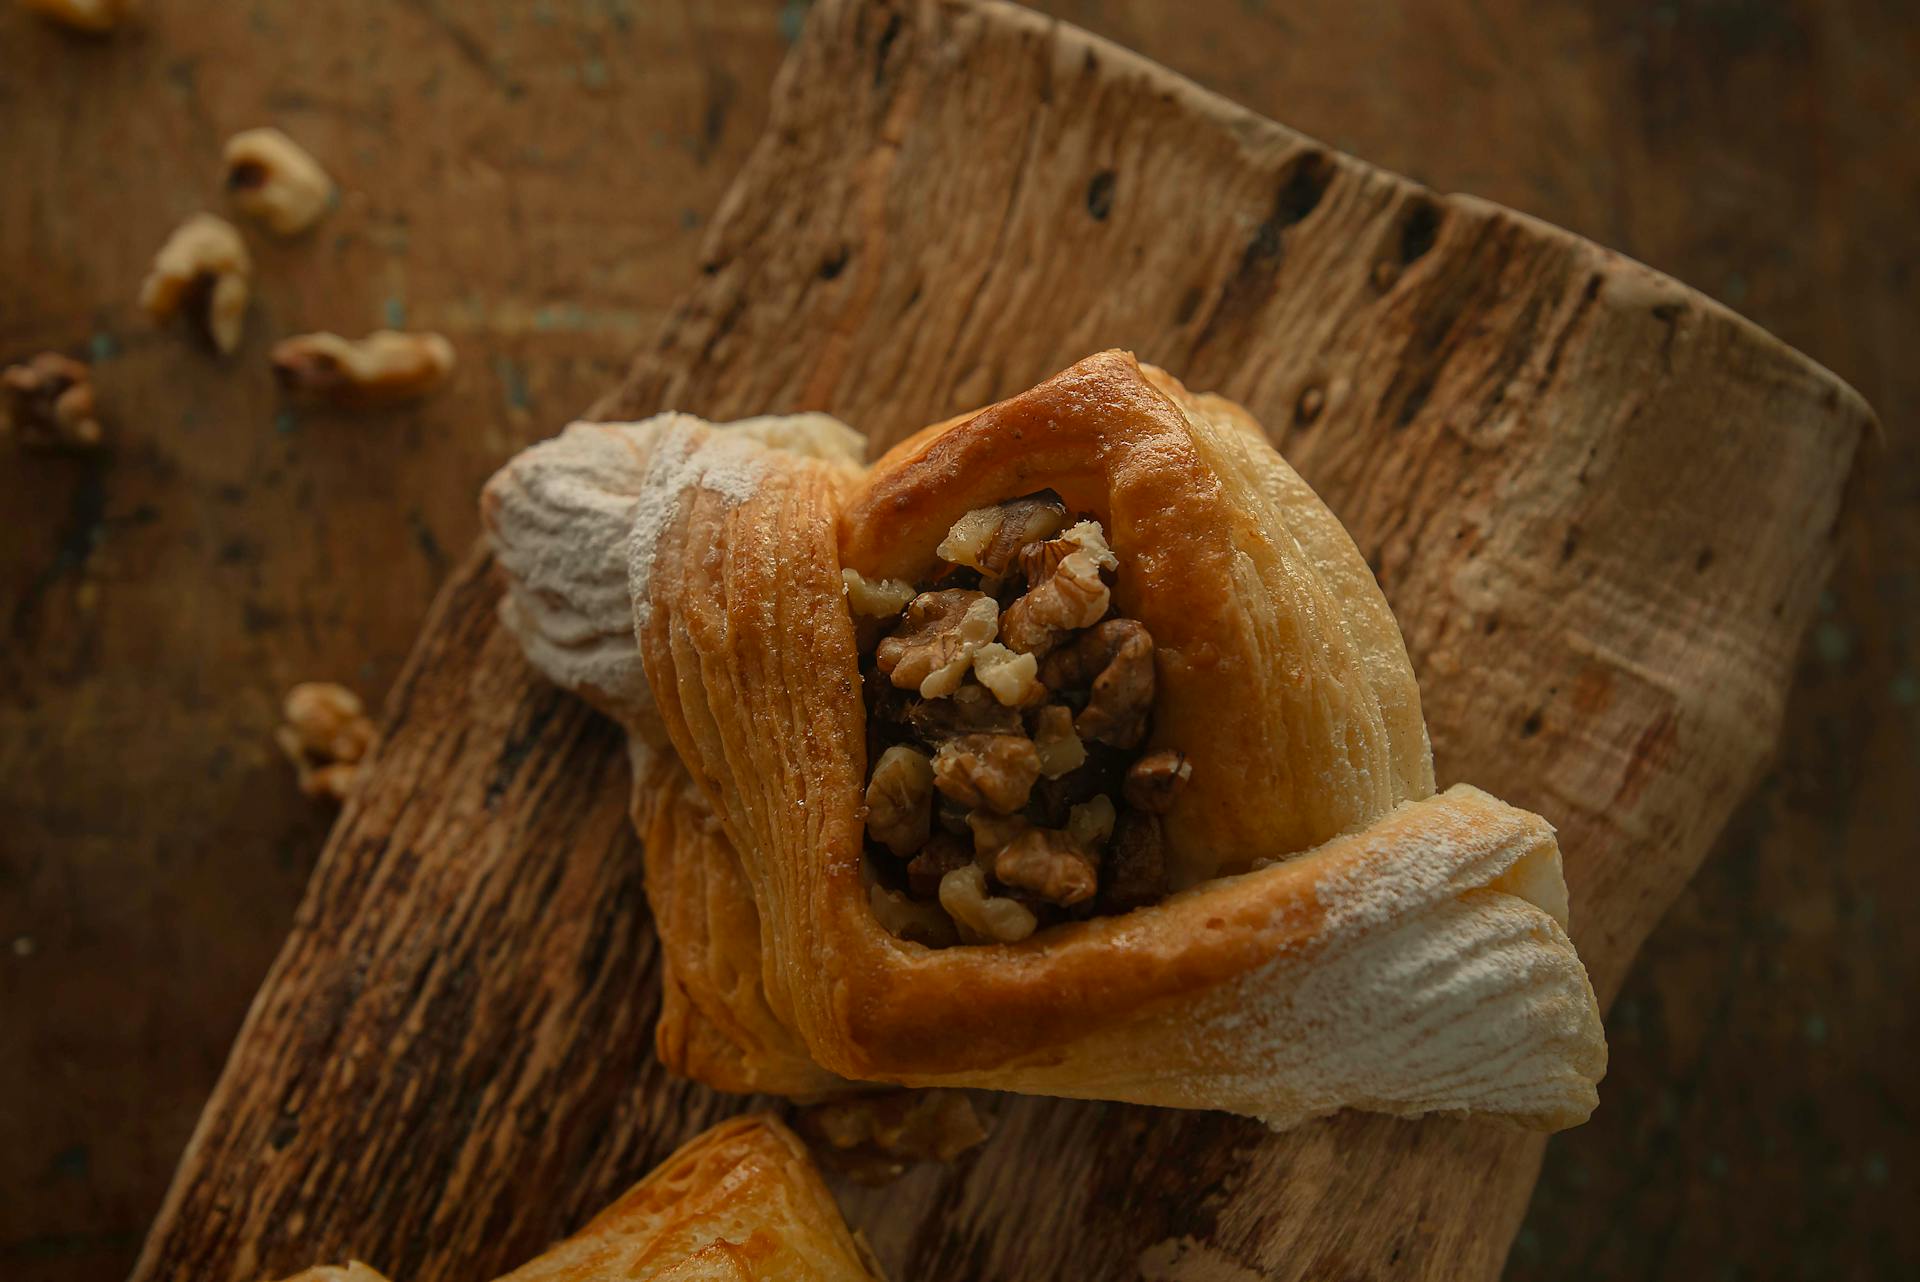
point(1068, 748)
point(741, 1202)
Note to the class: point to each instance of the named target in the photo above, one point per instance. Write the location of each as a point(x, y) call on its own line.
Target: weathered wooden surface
point(1600, 504)
point(158, 603)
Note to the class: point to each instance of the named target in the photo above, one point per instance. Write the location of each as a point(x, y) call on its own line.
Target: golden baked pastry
point(739, 1203)
point(1069, 748)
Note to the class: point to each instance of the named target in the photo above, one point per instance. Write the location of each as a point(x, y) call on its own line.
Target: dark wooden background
point(532, 179)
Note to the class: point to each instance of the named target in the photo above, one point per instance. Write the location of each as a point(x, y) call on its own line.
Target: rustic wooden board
point(1599, 504)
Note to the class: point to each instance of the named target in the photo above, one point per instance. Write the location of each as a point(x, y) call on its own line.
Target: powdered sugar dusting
point(1426, 989)
point(687, 456)
point(1431, 991)
point(575, 521)
point(557, 516)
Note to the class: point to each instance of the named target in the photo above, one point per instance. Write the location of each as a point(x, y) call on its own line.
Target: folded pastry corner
point(1068, 748)
point(741, 1202)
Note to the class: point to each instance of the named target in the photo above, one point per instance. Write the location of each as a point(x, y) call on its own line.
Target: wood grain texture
point(1599, 504)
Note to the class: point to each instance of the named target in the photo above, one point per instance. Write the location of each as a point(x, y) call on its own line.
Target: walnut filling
point(1007, 709)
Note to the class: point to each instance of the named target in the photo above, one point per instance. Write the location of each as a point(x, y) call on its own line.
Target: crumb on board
point(96, 16)
point(872, 1139)
point(46, 403)
point(384, 368)
point(204, 271)
point(326, 735)
point(274, 181)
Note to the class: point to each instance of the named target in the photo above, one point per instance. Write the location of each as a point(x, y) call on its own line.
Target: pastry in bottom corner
point(1069, 748)
point(739, 1203)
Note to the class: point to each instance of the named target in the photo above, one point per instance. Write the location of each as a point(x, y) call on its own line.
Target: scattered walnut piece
point(934, 645)
point(274, 181)
point(325, 736)
point(914, 920)
point(1067, 593)
point(988, 538)
point(941, 855)
point(971, 709)
point(1091, 822)
point(1118, 656)
point(1050, 864)
point(992, 770)
point(202, 269)
point(1135, 868)
point(384, 368)
point(983, 918)
point(96, 16)
point(875, 598)
point(872, 1138)
point(1156, 779)
point(900, 800)
point(1011, 677)
point(48, 404)
point(1061, 751)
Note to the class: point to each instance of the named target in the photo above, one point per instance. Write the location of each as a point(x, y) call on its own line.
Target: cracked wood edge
point(1600, 504)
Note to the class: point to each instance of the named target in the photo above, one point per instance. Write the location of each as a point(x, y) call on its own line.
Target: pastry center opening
point(1009, 787)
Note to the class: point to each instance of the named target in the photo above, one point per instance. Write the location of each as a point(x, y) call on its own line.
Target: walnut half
point(934, 645)
point(995, 771)
point(1117, 657)
point(48, 404)
point(1049, 864)
point(275, 182)
point(384, 368)
point(204, 270)
point(988, 538)
point(1066, 589)
point(983, 918)
point(900, 800)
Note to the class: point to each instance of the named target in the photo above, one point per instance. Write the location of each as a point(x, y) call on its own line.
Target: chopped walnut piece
point(1012, 677)
point(1118, 656)
point(872, 1138)
point(1156, 779)
point(992, 833)
point(1061, 751)
point(1038, 561)
point(983, 918)
point(934, 645)
point(971, 709)
point(1066, 593)
point(941, 855)
point(325, 736)
point(1135, 868)
point(1050, 864)
point(48, 404)
point(900, 800)
point(276, 182)
point(95, 16)
point(1091, 822)
point(992, 770)
point(875, 598)
point(384, 368)
point(203, 268)
point(988, 538)
point(914, 920)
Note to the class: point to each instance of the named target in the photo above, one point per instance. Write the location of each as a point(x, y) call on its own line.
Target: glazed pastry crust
point(739, 1203)
point(1345, 938)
